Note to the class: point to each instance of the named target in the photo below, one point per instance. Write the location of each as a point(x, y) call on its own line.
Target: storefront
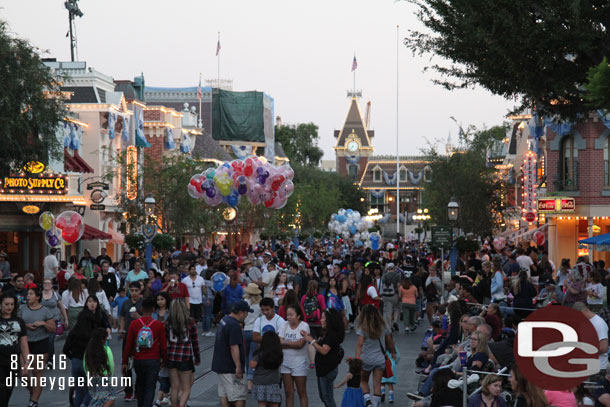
point(568, 223)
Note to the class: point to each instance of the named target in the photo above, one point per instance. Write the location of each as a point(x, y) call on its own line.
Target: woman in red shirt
point(367, 293)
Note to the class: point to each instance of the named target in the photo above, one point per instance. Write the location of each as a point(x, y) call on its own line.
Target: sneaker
point(165, 401)
point(33, 403)
point(407, 330)
point(368, 403)
point(415, 396)
point(391, 397)
point(210, 334)
point(115, 330)
point(49, 365)
point(129, 397)
point(396, 327)
point(156, 404)
point(383, 395)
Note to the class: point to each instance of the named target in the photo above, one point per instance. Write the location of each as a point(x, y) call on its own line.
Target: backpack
point(144, 339)
point(431, 292)
point(388, 289)
point(312, 309)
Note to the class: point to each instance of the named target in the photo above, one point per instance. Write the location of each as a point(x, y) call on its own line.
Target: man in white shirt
point(266, 260)
point(51, 265)
point(268, 278)
point(525, 261)
point(602, 332)
point(196, 287)
point(202, 266)
point(269, 321)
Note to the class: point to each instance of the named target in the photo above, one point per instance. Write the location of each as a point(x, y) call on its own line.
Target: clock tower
point(353, 147)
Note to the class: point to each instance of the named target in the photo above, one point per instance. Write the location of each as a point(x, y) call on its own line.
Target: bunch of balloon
point(256, 178)
point(499, 242)
point(348, 224)
point(52, 236)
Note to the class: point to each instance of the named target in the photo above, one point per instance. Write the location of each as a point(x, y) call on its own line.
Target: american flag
point(218, 47)
point(199, 94)
point(354, 64)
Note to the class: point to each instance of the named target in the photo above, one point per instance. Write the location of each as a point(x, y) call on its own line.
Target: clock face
point(352, 146)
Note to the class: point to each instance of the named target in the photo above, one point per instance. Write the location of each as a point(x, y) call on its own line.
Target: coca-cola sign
point(556, 205)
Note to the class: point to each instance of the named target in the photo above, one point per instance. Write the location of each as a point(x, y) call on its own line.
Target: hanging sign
point(556, 205)
point(528, 211)
point(40, 184)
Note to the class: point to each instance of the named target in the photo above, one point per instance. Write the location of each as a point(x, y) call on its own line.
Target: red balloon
point(75, 219)
point(539, 238)
point(70, 234)
point(60, 223)
point(248, 170)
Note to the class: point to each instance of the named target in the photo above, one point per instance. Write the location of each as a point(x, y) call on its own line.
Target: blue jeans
point(206, 322)
point(81, 394)
point(147, 372)
point(250, 348)
point(426, 388)
point(325, 388)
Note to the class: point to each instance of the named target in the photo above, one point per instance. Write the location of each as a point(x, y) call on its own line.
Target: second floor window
point(569, 164)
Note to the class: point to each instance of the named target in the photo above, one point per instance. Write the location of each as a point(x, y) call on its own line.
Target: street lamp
point(422, 216)
point(149, 205)
point(453, 210)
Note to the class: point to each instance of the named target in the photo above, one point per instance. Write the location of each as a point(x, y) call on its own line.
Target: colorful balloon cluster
point(499, 242)
point(257, 179)
point(349, 224)
point(67, 227)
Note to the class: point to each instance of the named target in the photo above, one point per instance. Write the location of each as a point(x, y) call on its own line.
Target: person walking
point(183, 348)
point(39, 322)
point(329, 353)
point(253, 297)
point(52, 301)
point(408, 294)
point(267, 361)
point(196, 287)
point(76, 343)
point(373, 338)
point(73, 299)
point(13, 341)
point(294, 366)
point(389, 292)
point(147, 344)
point(98, 364)
point(229, 357)
point(313, 305)
point(130, 310)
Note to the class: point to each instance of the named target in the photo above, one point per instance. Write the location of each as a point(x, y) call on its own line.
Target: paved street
point(205, 393)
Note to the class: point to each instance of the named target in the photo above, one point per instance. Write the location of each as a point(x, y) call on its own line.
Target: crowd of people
point(284, 312)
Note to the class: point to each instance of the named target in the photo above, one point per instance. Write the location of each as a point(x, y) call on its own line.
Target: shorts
point(115, 312)
point(370, 367)
point(181, 365)
point(232, 388)
point(164, 384)
point(39, 347)
point(295, 371)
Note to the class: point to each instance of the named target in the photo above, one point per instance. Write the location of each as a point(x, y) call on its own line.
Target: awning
point(600, 243)
point(92, 233)
point(76, 163)
point(117, 237)
point(529, 234)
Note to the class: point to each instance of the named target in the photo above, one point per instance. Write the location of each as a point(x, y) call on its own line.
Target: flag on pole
point(354, 64)
point(218, 47)
point(199, 94)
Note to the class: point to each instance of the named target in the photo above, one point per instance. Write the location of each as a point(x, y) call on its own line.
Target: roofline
point(366, 130)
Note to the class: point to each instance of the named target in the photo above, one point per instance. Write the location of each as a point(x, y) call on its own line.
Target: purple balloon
point(210, 192)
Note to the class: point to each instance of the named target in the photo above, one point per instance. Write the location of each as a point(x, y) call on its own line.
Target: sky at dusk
point(300, 53)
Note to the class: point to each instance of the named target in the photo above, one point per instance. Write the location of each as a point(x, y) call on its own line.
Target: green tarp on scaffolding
point(237, 116)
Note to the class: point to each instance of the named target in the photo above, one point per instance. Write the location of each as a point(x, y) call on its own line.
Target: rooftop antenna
point(73, 11)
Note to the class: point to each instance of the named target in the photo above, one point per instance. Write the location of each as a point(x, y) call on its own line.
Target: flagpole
point(200, 97)
point(354, 88)
point(397, 154)
point(218, 55)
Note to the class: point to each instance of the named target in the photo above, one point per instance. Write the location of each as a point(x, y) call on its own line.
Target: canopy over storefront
point(599, 243)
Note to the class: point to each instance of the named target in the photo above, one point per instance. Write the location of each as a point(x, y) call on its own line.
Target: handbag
point(388, 372)
point(60, 328)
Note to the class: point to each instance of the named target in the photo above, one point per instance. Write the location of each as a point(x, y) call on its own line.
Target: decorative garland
point(169, 140)
point(415, 179)
point(377, 193)
point(390, 180)
point(241, 152)
point(352, 159)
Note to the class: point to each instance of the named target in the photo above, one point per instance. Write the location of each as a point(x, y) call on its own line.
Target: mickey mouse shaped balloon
point(71, 225)
point(219, 281)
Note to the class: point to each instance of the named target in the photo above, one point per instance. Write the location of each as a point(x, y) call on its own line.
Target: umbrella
point(599, 243)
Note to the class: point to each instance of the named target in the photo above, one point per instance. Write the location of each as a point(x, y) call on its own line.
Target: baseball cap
point(267, 253)
point(390, 265)
point(240, 306)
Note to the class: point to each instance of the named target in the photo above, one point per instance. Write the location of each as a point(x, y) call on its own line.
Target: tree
point(539, 51)
point(300, 143)
point(30, 106)
point(598, 85)
point(465, 176)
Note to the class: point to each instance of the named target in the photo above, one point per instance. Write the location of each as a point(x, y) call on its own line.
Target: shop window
point(378, 203)
point(403, 175)
point(352, 171)
point(377, 175)
point(428, 174)
point(569, 164)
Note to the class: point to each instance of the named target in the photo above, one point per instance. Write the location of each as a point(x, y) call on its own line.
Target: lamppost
point(422, 216)
point(150, 227)
point(229, 214)
point(453, 211)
